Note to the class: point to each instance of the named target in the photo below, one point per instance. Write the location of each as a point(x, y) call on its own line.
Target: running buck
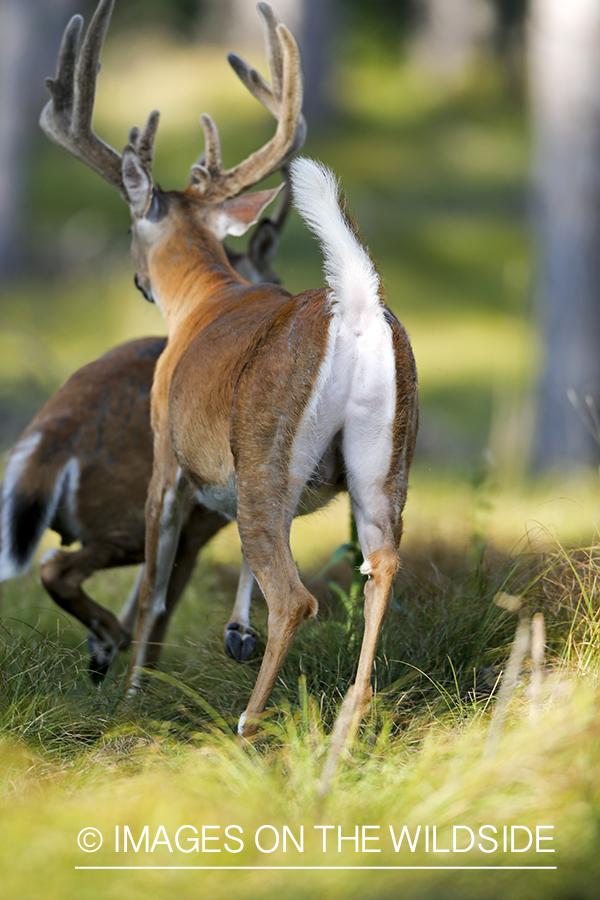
point(82, 468)
point(262, 401)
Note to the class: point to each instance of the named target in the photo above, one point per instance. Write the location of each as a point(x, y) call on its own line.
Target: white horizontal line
point(323, 868)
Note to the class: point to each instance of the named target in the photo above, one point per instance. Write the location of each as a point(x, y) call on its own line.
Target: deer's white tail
point(30, 497)
point(348, 268)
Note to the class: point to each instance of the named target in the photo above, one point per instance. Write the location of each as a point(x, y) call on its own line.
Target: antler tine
point(270, 95)
point(87, 68)
point(267, 94)
point(213, 159)
point(209, 168)
point(61, 87)
point(146, 147)
point(255, 83)
point(270, 21)
point(67, 117)
point(209, 179)
point(143, 141)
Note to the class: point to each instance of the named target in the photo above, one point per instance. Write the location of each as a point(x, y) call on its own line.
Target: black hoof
point(97, 671)
point(239, 645)
point(101, 656)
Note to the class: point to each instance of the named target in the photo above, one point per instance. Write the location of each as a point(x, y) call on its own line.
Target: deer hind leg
point(239, 635)
point(265, 538)
point(378, 534)
point(380, 567)
point(62, 573)
point(102, 653)
point(377, 496)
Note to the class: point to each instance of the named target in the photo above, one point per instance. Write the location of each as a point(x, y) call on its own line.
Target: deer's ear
point(264, 244)
point(137, 181)
point(235, 216)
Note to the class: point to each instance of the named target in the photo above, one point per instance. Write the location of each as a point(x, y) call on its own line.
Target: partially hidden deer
point(82, 468)
point(262, 401)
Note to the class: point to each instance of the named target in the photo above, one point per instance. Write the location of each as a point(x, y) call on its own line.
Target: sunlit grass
point(94, 767)
point(73, 757)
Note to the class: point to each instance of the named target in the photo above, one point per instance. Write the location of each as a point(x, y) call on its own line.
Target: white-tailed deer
point(82, 468)
point(262, 401)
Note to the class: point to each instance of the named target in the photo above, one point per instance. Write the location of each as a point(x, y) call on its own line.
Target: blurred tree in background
point(565, 80)
point(29, 34)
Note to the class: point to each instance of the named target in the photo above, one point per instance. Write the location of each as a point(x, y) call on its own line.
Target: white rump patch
point(354, 395)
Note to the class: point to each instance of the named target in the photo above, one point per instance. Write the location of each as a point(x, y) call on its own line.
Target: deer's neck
point(192, 278)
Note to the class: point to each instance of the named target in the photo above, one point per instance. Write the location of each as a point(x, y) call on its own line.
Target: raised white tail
point(348, 268)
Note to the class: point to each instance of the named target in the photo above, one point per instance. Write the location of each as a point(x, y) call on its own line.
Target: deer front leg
point(239, 636)
point(164, 514)
point(128, 615)
point(199, 528)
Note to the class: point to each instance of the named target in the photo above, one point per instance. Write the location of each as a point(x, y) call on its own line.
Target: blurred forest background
point(467, 136)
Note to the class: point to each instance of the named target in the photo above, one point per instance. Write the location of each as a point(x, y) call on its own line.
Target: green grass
point(73, 757)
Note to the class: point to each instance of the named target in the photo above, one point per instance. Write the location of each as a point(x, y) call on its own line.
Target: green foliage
point(385, 23)
point(177, 15)
point(442, 646)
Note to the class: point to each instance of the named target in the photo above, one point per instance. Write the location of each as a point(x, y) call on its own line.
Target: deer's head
point(168, 224)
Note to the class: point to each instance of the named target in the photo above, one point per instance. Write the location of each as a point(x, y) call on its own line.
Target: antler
point(67, 117)
point(282, 98)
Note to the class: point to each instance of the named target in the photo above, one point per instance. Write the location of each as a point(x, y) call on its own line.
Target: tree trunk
point(29, 39)
point(565, 91)
point(451, 32)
